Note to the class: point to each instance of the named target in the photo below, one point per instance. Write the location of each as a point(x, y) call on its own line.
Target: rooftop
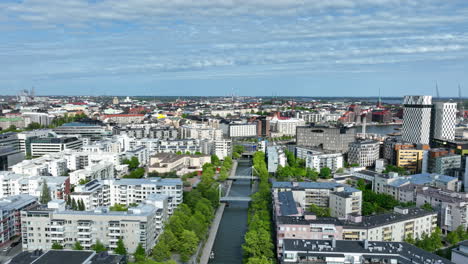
point(403, 252)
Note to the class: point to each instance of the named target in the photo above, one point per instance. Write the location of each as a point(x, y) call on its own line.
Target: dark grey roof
point(287, 203)
point(403, 252)
point(370, 221)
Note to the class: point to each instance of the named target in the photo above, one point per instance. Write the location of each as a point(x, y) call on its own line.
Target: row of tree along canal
point(244, 234)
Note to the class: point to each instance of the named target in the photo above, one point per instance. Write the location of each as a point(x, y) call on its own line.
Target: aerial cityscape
point(229, 132)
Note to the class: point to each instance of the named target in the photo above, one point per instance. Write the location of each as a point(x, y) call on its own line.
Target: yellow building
point(410, 159)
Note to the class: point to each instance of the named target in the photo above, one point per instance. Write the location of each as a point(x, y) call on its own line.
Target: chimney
point(333, 242)
point(366, 244)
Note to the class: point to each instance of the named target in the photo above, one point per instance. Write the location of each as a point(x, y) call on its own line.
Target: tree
point(215, 160)
point(361, 184)
point(161, 251)
point(259, 260)
point(427, 207)
point(77, 246)
point(57, 246)
point(118, 207)
point(34, 125)
point(81, 205)
point(74, 205)
point(120, 249)
point(188, 244)
point(132, 163)
point(45, 193)
point(410, 239)
point(320, 212)
point(98, 247)
point(12, 128)
point(140, 253)
point(325, 173)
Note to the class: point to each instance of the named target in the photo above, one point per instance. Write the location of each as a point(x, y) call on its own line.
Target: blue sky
point(254, 47)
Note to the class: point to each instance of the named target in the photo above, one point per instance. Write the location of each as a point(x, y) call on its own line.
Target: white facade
point(142, 224)
point(16, 184)
point(417, 119)
point(100, 171)
point(128, 191)
point(47, 165)
point(243, 130)
point(200, 131)
point(286, 127)
point(444, 120)
point(364, 153)
point(317, 159)
point(222, 148)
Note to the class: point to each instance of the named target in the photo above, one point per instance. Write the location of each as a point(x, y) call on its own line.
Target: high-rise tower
point(444, 119)
point(417, 119)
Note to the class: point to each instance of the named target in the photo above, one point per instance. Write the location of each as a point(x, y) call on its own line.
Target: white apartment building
point(243, 130)
point(320, 159)
point(17, 184)
point(128, 191)
point(200, 131)
point(275, 157)
point(101, 171)
point(222, 148)
point(286, 127)
point(417, 119)
point(47, 165)
point(364, 152)
point(444, 120)
point(43, 226)
point(43, 119)
point(180, 164)
point(10, 217)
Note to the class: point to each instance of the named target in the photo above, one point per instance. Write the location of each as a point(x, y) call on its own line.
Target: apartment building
point(412, 160)
point(179, 164)
point(10, 216)
point(391, 145)
point(392, 184)
point(200, 131)
point(342, 200)
point(242, 130)
point(317, 159)
point(275, 157)
point(452, 206)
point(123, 118)
point(222, 148)
point(340, 252)
point(393, 226)
point(42, 226)
point(140, 131)
point(364, 152)
point(17, 184)
point(285, 126)
point(43, 119)
point(47, 165)
point(128, 191)
point(100, 171)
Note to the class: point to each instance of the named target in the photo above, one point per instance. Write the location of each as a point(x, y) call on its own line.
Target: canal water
point(233, 226)
point(380, 129)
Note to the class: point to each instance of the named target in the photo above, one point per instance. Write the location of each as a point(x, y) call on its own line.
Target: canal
point(230, 237)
